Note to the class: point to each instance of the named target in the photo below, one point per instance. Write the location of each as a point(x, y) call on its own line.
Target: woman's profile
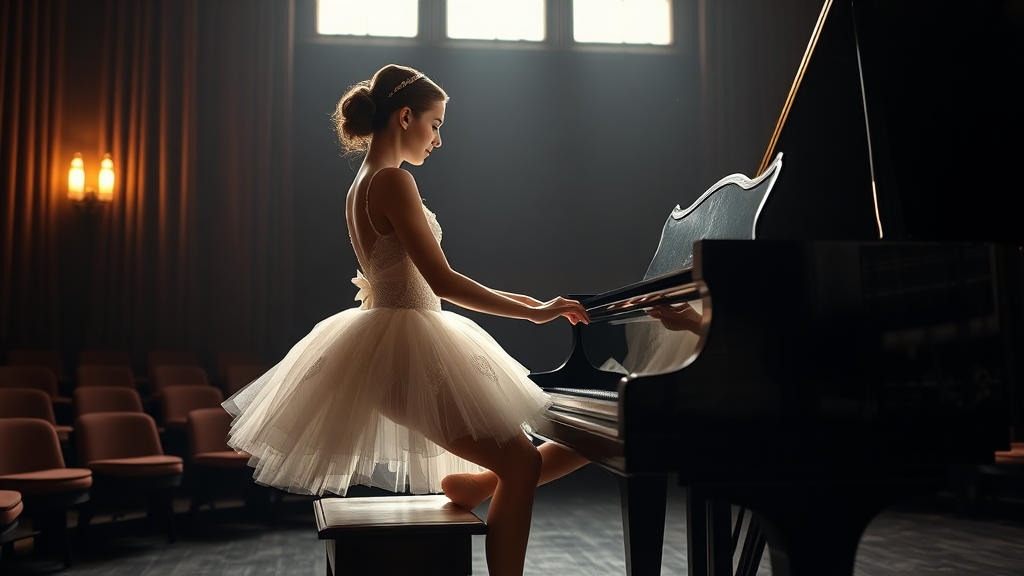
point(399, 393)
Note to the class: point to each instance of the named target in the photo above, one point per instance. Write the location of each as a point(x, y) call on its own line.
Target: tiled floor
point(577, 531)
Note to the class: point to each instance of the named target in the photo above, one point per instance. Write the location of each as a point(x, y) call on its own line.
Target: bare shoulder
point(394, 186)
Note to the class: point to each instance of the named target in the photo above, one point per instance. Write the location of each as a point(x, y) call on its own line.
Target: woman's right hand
point(558, 307)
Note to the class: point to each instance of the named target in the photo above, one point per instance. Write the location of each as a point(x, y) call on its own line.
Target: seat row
point(43, 377)
point(52, 359)
point(158, 376)
point(171, 411)
point(25, 368)
point(106, 438)
point(151, 390)
point(119, 459)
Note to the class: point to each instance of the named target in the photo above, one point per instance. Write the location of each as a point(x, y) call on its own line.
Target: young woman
point(398, 393)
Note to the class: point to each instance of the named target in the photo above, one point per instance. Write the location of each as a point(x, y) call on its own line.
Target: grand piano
point(837, 332)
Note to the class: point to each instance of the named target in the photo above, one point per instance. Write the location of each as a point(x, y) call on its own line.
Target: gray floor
point(577, 531)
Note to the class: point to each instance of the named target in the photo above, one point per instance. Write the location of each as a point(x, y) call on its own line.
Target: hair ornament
point(406, 82)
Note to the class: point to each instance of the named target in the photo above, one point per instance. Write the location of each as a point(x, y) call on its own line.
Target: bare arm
point(521, 298)
point(396, 196)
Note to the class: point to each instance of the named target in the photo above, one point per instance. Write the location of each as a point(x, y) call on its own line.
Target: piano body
point(811, 343)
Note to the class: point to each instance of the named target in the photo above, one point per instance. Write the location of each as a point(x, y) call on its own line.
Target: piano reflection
point(804, 344)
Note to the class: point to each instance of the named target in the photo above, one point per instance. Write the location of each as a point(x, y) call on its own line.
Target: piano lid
point(900, 123)
point(825, 191)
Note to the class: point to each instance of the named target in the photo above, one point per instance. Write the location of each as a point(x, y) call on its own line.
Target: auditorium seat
point(31, 403)
point(1006, 471)
point(240, 375)
point(43, 357)
point(212, 463)
point(10, 508)
point(97, 357)
point(104, 375)
point(124, 453)
point(226, 360)
point(178, 401)
point(40, 378)
point(31, 463)
point(177, 375)
point(106, 399)
point(170, 358)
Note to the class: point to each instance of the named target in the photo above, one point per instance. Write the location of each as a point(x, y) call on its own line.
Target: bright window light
point(622, 21)
point(496, 19)
point(363, 18)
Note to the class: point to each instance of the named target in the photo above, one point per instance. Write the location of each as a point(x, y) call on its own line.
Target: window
point(496, 19)
point(622, 21)
point(396, 18)
point(636, 26)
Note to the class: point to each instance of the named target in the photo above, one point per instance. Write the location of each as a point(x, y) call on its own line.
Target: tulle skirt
point(371, 396)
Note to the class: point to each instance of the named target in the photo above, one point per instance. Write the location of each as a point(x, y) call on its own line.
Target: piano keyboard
point(594, 410)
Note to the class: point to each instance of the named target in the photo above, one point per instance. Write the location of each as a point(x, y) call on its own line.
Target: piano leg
point(814, 530)
point(644, 499)
point(752, 550)
point(709, 547)
point(819, 542)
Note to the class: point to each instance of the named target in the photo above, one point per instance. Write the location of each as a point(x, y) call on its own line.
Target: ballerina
point(398, 393)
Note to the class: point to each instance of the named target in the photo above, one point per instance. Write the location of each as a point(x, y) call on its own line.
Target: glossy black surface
point(838, 364)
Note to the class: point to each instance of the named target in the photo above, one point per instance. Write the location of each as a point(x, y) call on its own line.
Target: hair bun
point(353, 117)
point(368, 106)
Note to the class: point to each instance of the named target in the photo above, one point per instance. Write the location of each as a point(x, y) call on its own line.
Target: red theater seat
point(31, 463)
point(31, 403)
point(106, 399)
point(124, 453)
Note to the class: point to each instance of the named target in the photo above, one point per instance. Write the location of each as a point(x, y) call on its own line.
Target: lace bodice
point(390, 279)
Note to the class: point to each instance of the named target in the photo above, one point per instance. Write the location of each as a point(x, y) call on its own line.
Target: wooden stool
point(397, 535)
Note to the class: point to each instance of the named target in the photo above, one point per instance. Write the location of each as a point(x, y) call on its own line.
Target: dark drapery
point(749, 53)
point(245, 123)
point(145, 279)
point(193, 101)
point(31, 64)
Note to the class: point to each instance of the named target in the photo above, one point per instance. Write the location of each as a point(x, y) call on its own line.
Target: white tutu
point(370, 396)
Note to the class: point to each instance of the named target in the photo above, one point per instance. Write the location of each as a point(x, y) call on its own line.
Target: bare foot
point(466, 490)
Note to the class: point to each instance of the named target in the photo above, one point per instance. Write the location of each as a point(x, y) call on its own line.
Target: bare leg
point(471, 490)
point(516, 465)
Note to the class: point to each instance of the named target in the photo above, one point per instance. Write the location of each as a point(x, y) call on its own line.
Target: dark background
point(559, 166)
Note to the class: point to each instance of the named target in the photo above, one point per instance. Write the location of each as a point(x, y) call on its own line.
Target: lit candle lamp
point(76, 179)
point(106, 179)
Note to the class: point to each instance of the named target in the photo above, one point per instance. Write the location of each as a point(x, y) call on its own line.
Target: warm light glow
point(76, 179)
point(496, 19)
point(106, 179)
point(622, 21)
point(361, 18)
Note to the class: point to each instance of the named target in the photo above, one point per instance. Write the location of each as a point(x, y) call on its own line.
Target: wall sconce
point(83, 197)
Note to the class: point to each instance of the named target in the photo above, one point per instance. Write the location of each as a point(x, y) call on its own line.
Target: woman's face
point(423, 134)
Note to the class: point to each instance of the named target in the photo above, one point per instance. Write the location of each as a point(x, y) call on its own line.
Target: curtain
point(749, 53)
point(245, 123)
point(144, 282)
point(192, 99)
point(31, 54)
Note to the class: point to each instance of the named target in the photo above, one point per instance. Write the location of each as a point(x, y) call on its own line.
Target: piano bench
point(397, 535)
